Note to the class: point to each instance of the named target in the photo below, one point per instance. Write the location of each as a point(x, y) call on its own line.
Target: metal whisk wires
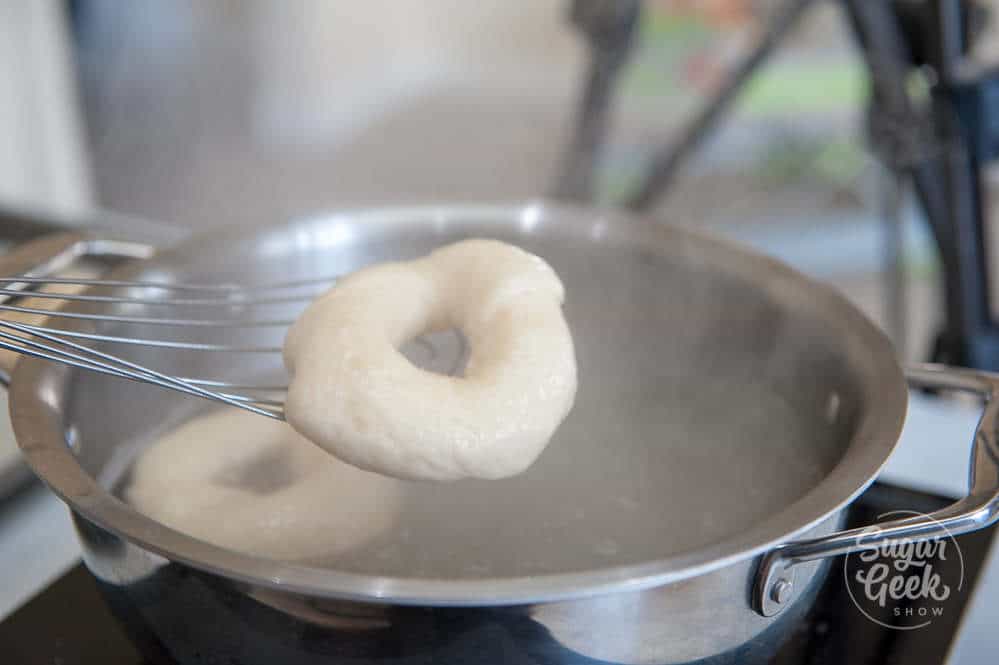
point(74, 346)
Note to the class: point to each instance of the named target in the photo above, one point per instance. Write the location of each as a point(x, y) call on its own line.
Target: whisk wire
point(170, 302)
point(161, 343)
point(67, 346)
point(105, 363)
point(152, 321)
point(169, 286)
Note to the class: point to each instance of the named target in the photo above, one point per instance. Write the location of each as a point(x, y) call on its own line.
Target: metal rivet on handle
point(781, 591)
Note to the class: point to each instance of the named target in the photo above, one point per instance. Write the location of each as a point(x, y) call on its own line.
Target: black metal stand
point(669, 160)
point(938, 146)
point(610, 27)
point(939, 143)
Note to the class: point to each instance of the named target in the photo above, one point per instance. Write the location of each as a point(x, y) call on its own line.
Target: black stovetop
point(69, 624)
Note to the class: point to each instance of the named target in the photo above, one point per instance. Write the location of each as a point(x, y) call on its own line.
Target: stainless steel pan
point(728, 410)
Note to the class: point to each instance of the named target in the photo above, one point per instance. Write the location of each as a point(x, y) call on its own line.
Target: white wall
point(42, 160)
point(323, 68)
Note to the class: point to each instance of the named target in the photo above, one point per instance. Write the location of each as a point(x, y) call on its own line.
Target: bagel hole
point(444, 352)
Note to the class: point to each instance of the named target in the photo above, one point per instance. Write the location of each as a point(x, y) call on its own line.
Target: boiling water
point(644, 483)
point(636, 473)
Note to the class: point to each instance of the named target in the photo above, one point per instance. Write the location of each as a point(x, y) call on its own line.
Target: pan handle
point(774, 585)
point(49, 254)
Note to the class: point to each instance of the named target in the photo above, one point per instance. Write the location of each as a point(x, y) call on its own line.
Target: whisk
point(73, 346)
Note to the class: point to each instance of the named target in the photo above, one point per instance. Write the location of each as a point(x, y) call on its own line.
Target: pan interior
point(713, 393)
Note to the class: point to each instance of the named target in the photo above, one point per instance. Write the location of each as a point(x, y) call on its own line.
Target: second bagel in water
point(354, 393)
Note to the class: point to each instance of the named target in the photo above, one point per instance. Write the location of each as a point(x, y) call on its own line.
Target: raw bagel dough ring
point(354, 394)
point(254, 485)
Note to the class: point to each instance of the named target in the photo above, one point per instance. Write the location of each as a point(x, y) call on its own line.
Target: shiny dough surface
point(353, 392)
point(252, 484)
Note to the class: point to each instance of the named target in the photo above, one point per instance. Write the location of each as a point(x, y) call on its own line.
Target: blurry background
point(326, 104)
point(241, 112)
